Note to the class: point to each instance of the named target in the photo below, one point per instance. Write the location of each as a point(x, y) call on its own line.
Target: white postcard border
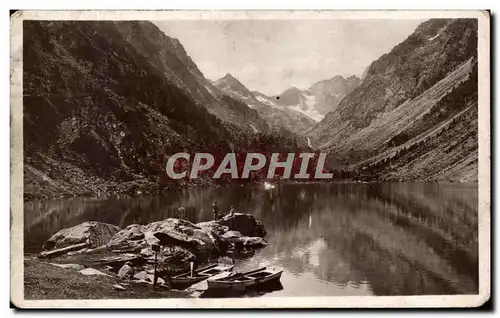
point(16, 213)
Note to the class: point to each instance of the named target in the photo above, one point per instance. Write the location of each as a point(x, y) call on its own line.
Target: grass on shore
point(45, 281)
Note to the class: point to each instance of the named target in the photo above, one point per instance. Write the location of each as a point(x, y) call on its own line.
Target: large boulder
point(182, 233)
point(180, 241)
point(132, 232)
point(169, 232)
point(94, 234)
point(239, 241)
point(213, 226)
point(130, 239)
point(216, 230)
point(244, 223)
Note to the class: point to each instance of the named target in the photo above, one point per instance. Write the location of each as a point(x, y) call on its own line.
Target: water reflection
point(331, 239)
point(250, 292)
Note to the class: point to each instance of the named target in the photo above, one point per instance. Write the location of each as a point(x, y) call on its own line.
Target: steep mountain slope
point(232, 86)
point(170, 58)
point(276, 116)
point(408, 96)
point(321, 98)
point(106, 103)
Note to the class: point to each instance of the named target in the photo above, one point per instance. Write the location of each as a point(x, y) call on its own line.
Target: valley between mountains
point(105, 104)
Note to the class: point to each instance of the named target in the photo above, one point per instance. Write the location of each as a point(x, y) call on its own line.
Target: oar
point(245, 273)
point(206, 267)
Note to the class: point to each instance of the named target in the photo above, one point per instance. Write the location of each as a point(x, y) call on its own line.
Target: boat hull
point(185, 280)
point(243, 283)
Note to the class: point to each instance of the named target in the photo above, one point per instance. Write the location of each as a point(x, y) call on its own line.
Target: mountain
point(321, 98)
point(414, 115)
point(231, 85)
point(299, 101)
point(328, 93)
point(105, 103)
point(170, 58)
point(277, 117)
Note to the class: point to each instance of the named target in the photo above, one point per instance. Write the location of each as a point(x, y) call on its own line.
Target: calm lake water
point(330, 239)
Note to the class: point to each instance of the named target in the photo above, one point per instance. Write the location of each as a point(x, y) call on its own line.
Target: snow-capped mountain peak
point(322, 97)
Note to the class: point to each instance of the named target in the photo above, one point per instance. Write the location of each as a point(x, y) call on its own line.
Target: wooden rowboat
point(242, 281)
point(186, 279)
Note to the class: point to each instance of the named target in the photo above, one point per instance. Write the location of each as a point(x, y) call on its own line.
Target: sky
point(272, 55)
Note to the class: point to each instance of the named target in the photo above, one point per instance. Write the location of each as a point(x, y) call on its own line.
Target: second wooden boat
point(242, 281)
point(186, 279)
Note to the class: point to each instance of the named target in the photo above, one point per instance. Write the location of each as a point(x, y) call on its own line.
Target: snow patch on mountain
point(309, 142)
point(435, 36)
point(253, 127)
point(210, 90)
point(310, 102)
point(310, 99)
point(319, 99)
point(277, 116)
point(311, 113)
point(266, 101)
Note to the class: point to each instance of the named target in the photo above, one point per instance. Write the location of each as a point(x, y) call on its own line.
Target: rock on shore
point(169, 232)
point(89, 234)
point(245, 224)
point(180, 241)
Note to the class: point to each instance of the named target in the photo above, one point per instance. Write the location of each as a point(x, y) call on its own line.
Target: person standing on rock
point(231, 211)
point(215, 210)
point(181, 213)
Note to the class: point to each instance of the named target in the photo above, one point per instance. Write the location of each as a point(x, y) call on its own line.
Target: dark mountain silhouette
point(106, 103)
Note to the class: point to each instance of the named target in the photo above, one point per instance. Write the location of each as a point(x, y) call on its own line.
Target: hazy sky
point(273, 55)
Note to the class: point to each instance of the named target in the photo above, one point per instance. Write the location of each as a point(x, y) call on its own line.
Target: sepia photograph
point(250, 159)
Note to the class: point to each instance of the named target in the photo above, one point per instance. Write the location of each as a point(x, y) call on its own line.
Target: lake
point(331, 239)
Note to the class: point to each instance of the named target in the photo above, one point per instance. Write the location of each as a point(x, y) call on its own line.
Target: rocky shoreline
point(95, 248)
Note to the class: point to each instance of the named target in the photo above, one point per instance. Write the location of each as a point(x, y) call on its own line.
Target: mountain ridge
point(279, 118)
point(433, 71)
point(320, 98)
point(106, 103)
point(170, 58)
